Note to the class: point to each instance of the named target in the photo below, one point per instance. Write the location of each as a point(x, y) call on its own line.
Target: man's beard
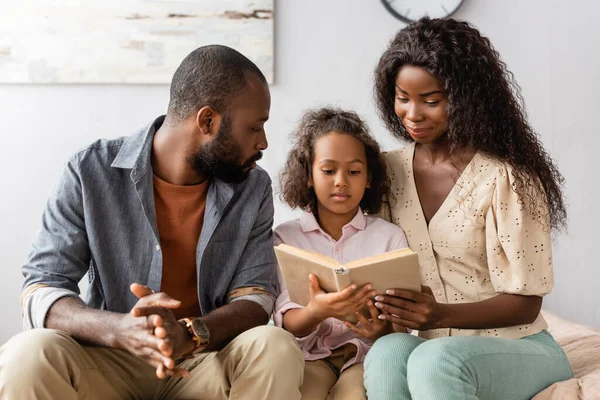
point(221, 157)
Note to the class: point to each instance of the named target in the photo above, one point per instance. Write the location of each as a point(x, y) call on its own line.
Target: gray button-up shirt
point(101, 219)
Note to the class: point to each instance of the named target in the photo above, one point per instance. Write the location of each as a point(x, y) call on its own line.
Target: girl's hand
point(412, 309)
point(371, 328)
point(339, 304)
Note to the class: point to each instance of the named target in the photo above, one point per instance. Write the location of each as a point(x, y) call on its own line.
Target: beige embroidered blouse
point(480, 243)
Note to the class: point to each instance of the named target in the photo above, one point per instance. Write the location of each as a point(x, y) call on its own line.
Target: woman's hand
point(339, 304)
point(373, 327)
point(412, 309)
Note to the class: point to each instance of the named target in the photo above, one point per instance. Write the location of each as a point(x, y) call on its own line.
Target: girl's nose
point(340, 180)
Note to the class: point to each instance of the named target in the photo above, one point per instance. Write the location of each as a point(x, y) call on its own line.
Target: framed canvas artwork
point(125, 41)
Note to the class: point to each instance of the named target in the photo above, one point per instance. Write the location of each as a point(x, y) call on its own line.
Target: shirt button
point(157, 247)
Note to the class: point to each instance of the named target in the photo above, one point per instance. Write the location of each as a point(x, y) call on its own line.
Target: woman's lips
point(418, 132)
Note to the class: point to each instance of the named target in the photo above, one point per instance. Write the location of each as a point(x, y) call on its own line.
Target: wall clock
point(411, 10)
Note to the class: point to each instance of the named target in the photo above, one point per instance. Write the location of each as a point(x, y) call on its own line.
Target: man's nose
point(262, 143)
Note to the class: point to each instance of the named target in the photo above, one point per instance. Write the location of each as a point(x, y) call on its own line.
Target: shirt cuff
point(37, 302)
point(264, 300)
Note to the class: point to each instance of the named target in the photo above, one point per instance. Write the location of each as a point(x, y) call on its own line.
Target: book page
point(296, 264)
point(393, 271)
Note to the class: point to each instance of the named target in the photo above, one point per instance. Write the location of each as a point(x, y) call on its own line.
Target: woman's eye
point(402, 99)
point(432, 103)
point(257, 129)
point(354, 172)
point(327, 171)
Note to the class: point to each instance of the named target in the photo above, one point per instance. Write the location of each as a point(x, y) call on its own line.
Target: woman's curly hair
point(485, 107)
point(298, 168)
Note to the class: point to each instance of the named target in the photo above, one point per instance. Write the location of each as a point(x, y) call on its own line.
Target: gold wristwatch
point(199, 333)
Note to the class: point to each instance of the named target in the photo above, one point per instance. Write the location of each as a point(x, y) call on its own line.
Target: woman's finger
point(411, 295)
point(399, 321)
point(398, 303)
point(399, 312)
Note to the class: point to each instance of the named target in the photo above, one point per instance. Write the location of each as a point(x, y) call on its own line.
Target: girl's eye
point(327, 171)
point(354, 172)
point(257, 129)
point(432, 103)
point(402, 99)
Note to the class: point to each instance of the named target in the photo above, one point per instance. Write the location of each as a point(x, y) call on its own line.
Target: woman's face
point(420, 103)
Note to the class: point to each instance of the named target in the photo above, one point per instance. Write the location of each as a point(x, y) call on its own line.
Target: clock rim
point(408, 20)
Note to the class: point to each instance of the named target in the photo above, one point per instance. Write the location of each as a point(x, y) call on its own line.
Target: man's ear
point(207, 120)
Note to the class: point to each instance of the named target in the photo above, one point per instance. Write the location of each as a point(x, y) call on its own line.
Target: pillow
point(582, 346)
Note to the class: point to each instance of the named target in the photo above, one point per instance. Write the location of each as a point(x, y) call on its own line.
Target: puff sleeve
point(519, 251)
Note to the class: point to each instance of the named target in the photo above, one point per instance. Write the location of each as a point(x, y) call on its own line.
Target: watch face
point(412, 10)
point(201, 329)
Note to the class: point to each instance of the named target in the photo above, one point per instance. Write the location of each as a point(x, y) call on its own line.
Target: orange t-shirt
point(179, 216)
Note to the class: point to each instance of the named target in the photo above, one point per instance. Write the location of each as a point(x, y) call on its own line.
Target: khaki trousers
point(324, 381)
point(263, 363)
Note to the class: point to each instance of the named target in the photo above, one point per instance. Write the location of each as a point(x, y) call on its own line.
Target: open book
point(395, 269)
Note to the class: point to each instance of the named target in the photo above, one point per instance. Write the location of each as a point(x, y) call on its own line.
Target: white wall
point(325, 53)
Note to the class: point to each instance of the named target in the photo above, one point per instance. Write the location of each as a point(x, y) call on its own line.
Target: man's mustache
point(253, 159)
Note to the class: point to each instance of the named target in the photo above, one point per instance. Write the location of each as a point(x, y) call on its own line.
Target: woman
point(477, 197)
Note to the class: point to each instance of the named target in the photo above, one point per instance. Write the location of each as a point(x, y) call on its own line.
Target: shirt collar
point(308, 221)
point(135, 153)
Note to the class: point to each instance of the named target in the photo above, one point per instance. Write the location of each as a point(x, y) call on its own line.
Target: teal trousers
point(402, 367)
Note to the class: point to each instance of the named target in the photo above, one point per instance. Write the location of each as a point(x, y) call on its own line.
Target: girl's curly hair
point(485, 108)
point(298, 168)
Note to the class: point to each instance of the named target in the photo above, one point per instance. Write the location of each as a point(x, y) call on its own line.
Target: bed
point(582, 345)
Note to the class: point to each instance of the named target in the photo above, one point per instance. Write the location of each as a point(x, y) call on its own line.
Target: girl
point(334, 173)
point(478, 196)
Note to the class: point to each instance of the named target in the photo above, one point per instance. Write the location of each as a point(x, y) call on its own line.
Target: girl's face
point(420, 104)
point(339, 174)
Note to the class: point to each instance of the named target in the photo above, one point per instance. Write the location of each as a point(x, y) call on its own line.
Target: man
point(173, 225)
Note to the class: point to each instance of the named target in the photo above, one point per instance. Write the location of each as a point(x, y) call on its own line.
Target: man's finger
point(152, 342)
point(158, 299)
point(160, 372)
point(161, 332)
point(140, 290)
point(153, 321)
point(155, 357)
point(178, 372)
point(146, 311)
